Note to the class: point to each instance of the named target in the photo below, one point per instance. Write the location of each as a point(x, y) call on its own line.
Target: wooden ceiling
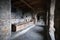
point(29, 4)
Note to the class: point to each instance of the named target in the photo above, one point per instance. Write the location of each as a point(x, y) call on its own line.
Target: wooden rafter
point(27, 4)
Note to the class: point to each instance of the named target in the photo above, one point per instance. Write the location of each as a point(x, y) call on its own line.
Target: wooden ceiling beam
point(27, 4)
point(34, 2)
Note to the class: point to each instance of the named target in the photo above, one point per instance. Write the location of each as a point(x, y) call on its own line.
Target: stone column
point(35, 18)
point(52, 29)
point(5, 15)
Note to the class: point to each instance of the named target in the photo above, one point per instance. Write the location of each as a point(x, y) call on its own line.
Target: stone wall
point(57, 20)
point(5, 15)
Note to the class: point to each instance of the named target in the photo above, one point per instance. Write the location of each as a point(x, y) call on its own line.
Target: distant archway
point(41, 15)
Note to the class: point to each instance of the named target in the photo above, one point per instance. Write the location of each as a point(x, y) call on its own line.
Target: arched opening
point(42, 16)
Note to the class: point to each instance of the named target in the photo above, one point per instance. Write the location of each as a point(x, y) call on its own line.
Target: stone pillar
point(35, 18)
point(52, 29)
point(5, 15)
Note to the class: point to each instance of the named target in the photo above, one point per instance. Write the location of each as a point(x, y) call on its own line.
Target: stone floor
point(34, 33)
